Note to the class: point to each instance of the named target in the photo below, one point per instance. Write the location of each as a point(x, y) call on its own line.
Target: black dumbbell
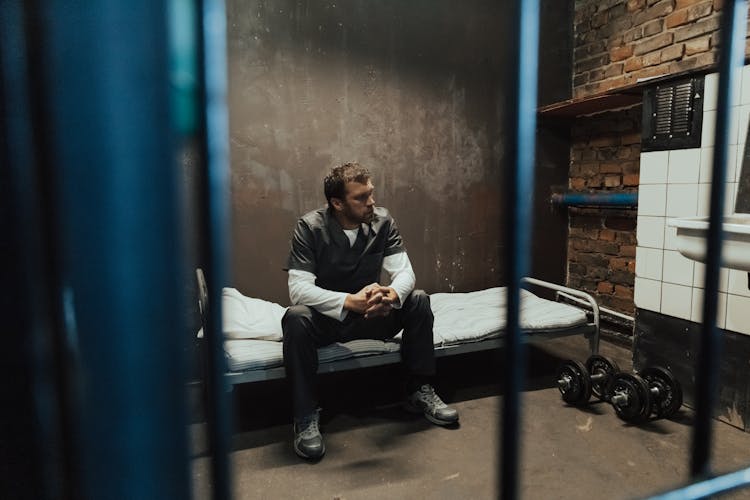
point(577, 381)
point(654, 391)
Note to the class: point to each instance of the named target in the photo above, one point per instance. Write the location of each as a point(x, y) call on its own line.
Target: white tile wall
point(670, 236)
point(648, 262)
point(744, 117)
point(652, 199)
point(682, 200)
point(654, 167)
point(676, 300)
point(709, 129)
point(648, 294)
point(738, 314)
point(745, 88)
point(710, 91)
point(737, 283)
point(707, 166)
point(677, 184)
point(699, 275)
point(684, 166)
point(697, 308)
point(704, 198)
point(677, 269)
point(650, 231)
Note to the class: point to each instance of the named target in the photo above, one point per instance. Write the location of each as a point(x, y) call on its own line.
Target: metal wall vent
point(673, 115)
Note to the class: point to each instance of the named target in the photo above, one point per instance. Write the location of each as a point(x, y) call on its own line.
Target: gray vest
point(320, 246)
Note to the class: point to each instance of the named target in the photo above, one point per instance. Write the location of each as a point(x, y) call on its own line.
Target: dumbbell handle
point(564, 382)
point(621, 398)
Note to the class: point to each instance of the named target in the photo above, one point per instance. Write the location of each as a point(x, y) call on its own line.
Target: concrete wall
point(413, 90)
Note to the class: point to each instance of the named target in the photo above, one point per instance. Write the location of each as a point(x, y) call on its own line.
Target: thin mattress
point(459, 318)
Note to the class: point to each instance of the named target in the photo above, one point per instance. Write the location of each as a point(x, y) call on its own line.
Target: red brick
point(607, 235)
point(610, 168)
point(672, 53)
point(631, 180)
point(612, 181)
point(699, 11)
point(632, 64)
point(653, 27)
point(577, 184)
point(620, 53)
point(680, 4)
point(634, 5)
point(620, 263)
point(653, 43)
point(677, 18)
point(697, 45)
point(613, 70)
point(623, 291)
point(631, 138)
point(652, 59)
point(627, 250)
point(605, 287)
point(603, 141)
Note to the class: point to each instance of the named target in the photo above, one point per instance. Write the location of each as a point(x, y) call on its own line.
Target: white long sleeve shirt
point(302, 288)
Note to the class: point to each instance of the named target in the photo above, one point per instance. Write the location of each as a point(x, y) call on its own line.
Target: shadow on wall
point(413, 90)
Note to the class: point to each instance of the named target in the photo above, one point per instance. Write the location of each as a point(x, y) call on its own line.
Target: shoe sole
point(416, 410)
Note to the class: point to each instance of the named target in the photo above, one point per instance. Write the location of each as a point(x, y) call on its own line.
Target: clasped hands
point(372, 301)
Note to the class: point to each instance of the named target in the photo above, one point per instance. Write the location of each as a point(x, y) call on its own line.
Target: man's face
point(358, 205)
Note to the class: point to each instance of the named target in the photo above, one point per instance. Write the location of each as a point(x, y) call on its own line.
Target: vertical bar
point(215, 196)
point(521, 129)
point(733, 19)
point(107, 155)
point(31, 463)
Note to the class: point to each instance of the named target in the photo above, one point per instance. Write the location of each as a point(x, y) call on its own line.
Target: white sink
point(691, 239)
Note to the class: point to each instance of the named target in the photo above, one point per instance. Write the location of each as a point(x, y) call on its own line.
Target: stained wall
point(414, 91)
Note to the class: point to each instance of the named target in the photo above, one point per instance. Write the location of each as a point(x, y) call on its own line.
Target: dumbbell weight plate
point(600, 365)
point(578, 389)
point(638, 404)
point(669, 399)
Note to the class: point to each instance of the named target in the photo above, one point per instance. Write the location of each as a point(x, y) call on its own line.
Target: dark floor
point(374, 450)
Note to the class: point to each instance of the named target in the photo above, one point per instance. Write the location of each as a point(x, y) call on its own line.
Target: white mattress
point(474, 316)
point(459, 318)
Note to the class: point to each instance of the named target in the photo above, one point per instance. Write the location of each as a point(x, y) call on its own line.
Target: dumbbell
point(577, 381)
point(654, 391)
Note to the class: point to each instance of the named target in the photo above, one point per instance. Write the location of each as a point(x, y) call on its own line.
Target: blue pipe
point(595, 199)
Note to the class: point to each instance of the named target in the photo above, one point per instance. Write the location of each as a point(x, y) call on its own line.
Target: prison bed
point(464, 322)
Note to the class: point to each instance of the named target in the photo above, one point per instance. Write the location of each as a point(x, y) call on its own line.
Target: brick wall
point(616, 42)
point(605, 151)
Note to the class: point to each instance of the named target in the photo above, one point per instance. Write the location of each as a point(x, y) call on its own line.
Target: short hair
point(334, 184)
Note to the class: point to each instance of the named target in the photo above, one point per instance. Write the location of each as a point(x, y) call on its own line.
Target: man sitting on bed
point(334, 267)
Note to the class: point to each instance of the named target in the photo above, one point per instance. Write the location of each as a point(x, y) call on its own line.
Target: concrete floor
point(374, 450)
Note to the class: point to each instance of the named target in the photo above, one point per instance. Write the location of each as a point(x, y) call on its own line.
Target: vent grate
point(673, 115)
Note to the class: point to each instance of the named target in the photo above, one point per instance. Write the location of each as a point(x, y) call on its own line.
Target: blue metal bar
point(34, 442)
point(108, 154)
point(709, 487)
point(216, 195)
point(520, 126)
point(595, 199)
point(732, 51)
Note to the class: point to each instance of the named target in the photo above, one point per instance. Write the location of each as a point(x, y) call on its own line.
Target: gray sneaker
point(308, 443)
point(427, 402)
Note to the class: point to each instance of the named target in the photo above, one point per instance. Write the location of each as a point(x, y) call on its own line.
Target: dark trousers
point(305, 330)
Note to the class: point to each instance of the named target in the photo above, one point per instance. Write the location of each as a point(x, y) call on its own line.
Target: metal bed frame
point(590, 331)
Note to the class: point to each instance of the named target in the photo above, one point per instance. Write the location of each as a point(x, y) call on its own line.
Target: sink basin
point(691, 239)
